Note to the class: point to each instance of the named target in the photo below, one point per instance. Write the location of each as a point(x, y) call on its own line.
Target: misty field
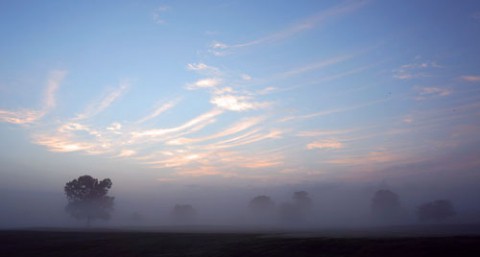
point(118, 243)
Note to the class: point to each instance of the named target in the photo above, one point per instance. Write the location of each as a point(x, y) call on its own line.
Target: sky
point(239, 93)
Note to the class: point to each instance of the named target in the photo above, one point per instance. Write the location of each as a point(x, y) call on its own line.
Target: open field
point(130, 243)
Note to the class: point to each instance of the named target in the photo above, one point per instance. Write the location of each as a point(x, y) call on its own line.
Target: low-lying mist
point(290, 207)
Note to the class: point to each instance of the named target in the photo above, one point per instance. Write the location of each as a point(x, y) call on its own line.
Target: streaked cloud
point(159, 110)
point(470, 78)
point(20, 116)
point(99, 106)
point(373, 157)
point(234, 129)
point(315, 66)
point(219, 48)
point(25, 116)
point(318, 133)
point(415, 70)
point(195, 123)
point(432, 91)
point(203, 68)
point(329, 112)
point(325, 144)
point(54, 80)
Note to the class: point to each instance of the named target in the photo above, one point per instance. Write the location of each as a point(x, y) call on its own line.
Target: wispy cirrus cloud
point(219, 48)
point(201, 120)
point(329, 112)
point(415, 70)
point(99, 106)
point(157, 14)
point(234, 129)
point(425, 92)
point(315, 66)
point(26, 116)
point(159, 110)
point(318, 133)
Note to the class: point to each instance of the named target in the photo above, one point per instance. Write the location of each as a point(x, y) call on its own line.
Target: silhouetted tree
point(87, 198)
point(183, 213)
point(436, 211)
point(261, 204)
point(386, 204)
point(302, 201)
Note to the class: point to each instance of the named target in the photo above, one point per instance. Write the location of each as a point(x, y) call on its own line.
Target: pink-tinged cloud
point(426, 91)
point(470, 78)
point(325, 144)
point(24, 116)
point(20, 116)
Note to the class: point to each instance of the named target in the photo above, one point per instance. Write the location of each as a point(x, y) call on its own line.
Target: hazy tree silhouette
point(386, 204)
point(435, 211)
point(297, 210)
point(87, 198)
point(261, 204)
point(184, 213)
point(302, 201)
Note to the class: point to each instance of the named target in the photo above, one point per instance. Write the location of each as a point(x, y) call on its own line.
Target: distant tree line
point(88, 199)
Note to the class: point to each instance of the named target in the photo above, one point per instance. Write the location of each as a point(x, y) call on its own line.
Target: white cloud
point(199, 67)
point(204, 83)
point(236, 103)
point(195, 123)
point(325, 144)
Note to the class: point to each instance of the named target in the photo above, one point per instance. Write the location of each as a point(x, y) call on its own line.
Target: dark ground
point(111, 243)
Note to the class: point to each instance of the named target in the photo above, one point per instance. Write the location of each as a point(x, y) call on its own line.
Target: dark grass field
point(110, 243)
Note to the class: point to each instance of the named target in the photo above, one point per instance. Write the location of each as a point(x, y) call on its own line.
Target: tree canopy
point(87, 198)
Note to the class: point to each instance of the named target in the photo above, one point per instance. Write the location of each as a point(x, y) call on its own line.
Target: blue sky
point(228, 92)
